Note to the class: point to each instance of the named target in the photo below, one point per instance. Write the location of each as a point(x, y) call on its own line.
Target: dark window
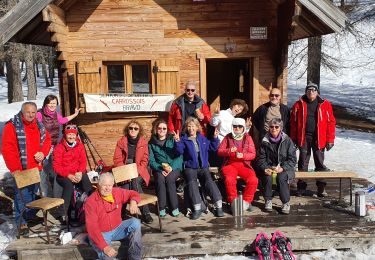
point(116, 80)
point(140, 78)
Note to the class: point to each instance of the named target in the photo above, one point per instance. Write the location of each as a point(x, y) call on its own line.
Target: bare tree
point(13, 74)
point(31, 93)
point(314, 55)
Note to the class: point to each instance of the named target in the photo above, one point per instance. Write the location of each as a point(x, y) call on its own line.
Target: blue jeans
point(28, 194)
point(130, 229)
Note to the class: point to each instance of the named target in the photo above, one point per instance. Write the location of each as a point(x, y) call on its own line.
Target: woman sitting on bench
point(166, 166)
point(276, 156)
point(69, 163)
point(194, 147)
point(238, 150)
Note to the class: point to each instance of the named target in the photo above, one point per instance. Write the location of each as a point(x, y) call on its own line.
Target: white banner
point(127, 102)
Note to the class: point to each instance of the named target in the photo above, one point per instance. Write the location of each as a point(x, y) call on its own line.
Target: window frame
point(128, 78)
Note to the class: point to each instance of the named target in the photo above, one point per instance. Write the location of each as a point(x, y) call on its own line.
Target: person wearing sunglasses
point(69, 164)
point(133, 148)
point(238, 151)
point(272, 109)
point(313, 128)
point(276, 155)
point(187, 105)
point(195, 147)
point(52, 120)
point(166, 166)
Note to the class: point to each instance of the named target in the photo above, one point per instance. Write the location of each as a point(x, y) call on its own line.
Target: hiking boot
point(196, 214)
point(148, 219)
point(286, 208)
point(325, 169)
point(247, 206)
point(218, 212)
point(175, 213)
point(162, 213)
point(24, 230)
point(268, 205)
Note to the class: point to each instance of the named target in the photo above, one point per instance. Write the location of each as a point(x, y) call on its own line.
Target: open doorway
point(228, 79)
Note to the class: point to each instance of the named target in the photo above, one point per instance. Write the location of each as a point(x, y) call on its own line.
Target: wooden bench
point(314, 175)
point(330, 175)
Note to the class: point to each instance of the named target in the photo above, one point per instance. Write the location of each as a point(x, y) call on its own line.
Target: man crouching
point(104, 223)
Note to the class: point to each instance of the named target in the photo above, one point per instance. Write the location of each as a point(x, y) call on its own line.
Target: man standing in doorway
point(186, 105)
point(26, 143)
point(312, 127)
point(272, 109)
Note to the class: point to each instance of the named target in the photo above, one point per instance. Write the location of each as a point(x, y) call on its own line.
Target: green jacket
point(163, 154)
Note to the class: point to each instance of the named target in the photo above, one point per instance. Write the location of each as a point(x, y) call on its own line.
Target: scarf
point(108, 198)
point(21, 137)
point(275, 139)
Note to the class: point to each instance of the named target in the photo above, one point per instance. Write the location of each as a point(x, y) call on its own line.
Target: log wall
point(158, 30)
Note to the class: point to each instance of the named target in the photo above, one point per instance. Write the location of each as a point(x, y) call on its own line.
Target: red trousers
point(230, 172)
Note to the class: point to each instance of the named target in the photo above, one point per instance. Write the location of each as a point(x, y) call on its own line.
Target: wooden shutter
point(88, 77)
point(167, 76)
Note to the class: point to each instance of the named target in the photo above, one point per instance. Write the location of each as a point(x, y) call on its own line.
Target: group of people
point(178, 148)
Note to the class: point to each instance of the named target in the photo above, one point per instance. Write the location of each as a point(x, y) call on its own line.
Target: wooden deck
point(313, 224)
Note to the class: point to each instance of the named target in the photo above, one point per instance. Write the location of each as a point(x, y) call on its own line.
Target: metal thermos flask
point(360, 203)
point(240, 204)
point(235, 207)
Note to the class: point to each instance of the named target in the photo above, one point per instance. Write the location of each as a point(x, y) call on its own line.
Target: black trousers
point(282, 187)
point(311, 144)
point(136, 185)
point(68, 187)
point(166, 189)
point(192, 176)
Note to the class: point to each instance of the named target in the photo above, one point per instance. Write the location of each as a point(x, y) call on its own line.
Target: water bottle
point(240, 204)
point(274, 176)
point(360, 203)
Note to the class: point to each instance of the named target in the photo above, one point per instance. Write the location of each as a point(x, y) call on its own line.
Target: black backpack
point(77, 208)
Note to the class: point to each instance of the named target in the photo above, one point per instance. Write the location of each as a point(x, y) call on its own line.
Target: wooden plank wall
point(155, 30)
point(105, 30)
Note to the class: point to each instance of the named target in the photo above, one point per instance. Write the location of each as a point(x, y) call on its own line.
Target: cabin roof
point(24, 23)
point(316, 17)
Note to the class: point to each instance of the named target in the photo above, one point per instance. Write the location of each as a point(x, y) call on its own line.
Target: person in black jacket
point(272, 109)
point(276, 156)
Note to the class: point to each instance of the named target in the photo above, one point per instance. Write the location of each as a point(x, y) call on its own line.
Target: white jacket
point(223, 122)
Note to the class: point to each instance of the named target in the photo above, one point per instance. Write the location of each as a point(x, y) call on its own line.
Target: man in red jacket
point(25, 145)
point(312, 127)
point(104, 223)
point(186, 105)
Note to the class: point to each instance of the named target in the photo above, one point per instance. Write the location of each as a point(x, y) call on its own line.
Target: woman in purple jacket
point(194, 147)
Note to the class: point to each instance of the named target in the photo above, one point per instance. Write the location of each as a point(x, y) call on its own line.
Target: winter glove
point(329, 146)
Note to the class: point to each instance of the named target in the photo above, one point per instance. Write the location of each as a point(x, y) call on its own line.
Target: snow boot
point(282, 247)
point(263, 247)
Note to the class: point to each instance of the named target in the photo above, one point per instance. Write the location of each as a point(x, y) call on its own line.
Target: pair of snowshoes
point(278, 247)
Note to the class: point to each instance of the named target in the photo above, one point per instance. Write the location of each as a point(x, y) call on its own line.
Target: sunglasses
point(190, 90)
point(133, 128)
point(311, 90)
point(71, 127)
point(237, 126)
point(162, 128)
point(274, 126)
point(274, 95)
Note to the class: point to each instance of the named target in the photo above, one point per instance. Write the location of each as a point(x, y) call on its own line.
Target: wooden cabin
point(150, 48)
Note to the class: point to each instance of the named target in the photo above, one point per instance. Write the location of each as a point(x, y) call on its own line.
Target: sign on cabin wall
point(258, 33)
point(127, 102)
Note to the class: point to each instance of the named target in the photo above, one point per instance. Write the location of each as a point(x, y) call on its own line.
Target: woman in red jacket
point(133, 148)
point(239, 150)
point(69, 163)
